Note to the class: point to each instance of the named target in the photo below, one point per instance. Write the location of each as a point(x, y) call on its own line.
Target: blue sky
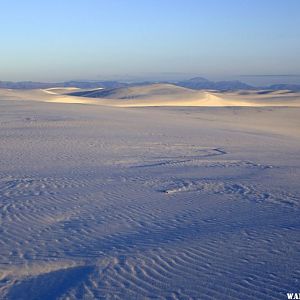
point(94, 39)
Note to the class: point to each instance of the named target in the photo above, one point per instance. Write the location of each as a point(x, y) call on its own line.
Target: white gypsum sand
point(102, 202)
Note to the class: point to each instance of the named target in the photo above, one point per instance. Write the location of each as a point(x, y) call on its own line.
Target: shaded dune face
point(49, 285)
point(144, 91)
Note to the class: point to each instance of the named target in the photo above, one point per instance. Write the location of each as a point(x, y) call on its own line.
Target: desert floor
point(100, 202)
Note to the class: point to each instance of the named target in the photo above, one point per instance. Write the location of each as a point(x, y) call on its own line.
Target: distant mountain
point(26, 85)
point(199, 79)
point(200, 83)
point(196, 83)
point(232, 85)
point(95, 84)
point(78, 84)
point(290, 87)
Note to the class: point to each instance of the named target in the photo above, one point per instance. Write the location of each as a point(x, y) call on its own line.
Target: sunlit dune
point(44, 95)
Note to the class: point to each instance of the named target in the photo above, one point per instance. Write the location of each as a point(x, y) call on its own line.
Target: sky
point(95, 39)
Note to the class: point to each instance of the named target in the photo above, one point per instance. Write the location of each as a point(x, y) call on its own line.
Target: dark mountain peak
point(198, 79)
point(232, 85)
point(290, 87)
point(199, 83)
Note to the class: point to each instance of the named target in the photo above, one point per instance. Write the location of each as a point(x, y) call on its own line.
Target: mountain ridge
point(196, 83)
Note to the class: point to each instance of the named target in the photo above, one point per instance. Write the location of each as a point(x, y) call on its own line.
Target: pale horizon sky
point(94, 39)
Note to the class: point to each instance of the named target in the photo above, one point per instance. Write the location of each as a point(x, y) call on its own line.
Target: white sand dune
point(100, 202)
point(172, 95)
point(47, 95)
point(157, 95)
